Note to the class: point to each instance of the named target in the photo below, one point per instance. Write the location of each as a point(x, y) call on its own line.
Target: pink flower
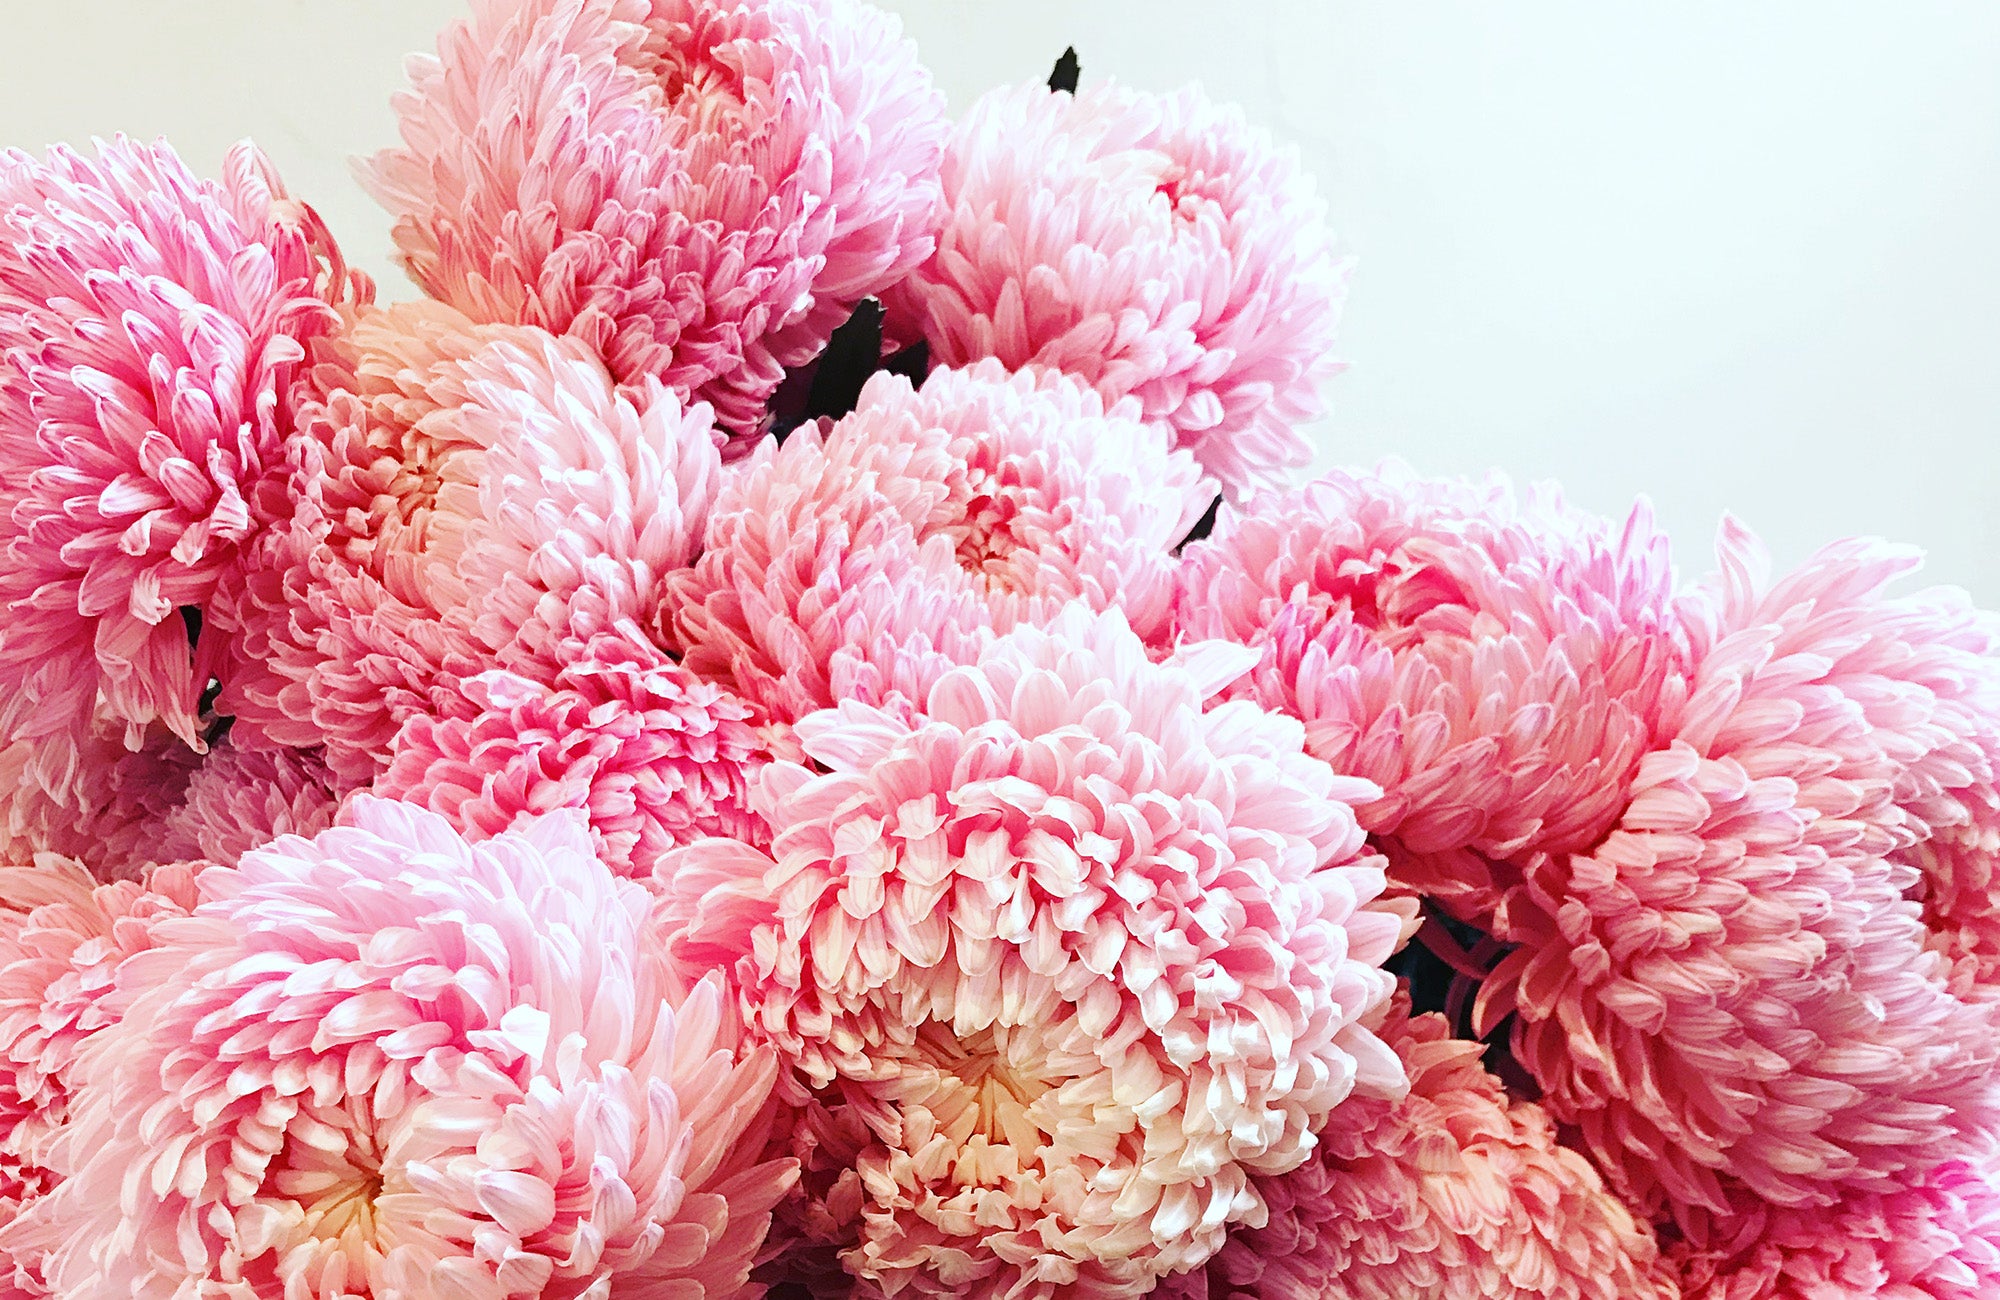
point(164, 803)
point(238, 800)
point(112, 819)
point(861, 561)
point(1495, 665)
point(1453, 1193)
point(1938, 1238)
point(702, 190)
point(1082, 955)
point(62, 939)
point(1735, 991)
point(1156, 246)
point(474, 497)
point(656, 756)
point(151, 327)
point(385, 1061)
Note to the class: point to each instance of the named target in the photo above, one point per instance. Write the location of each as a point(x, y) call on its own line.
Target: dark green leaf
point(1067, 71)
point(852, 354)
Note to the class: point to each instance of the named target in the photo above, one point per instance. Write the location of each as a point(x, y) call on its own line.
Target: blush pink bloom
point(1157, 246)
point(474, 497)
point(701, 190)
point(1082, 955)
point(387, 1062)
point(151, 327)
point(1936, 1239)
point(1737, 988)
point(1495, 664)
point(112, 819)
point(1453, 1192)
point(655, 756)
point(861, 560)
point(62, 938)
point(165, 803)
point(239, 799)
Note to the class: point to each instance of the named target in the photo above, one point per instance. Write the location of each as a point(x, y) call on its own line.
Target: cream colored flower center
point(995, 1089)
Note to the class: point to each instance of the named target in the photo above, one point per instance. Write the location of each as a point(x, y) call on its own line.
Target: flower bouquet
point(788, 727)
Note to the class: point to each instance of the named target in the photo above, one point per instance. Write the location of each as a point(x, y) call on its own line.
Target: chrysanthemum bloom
point(1157, 246)
point(473, 497)
point(62, 938)
point(873, 553)
point(1083, 956)
point(1452, 1193)
point(151, 327)
point(1936, 1239)
point(165, 803)
point(655, 755)
point(388, 1062)
point(1495, 665)
point(239, 799)
point(1736, 989)
point(702, 190)
point(112, 819)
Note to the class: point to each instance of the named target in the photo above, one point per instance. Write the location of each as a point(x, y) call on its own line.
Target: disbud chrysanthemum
point(1736, 988)
point(700, 189)
point(1938, 1238)
point(62, 939)
point(1081, 955)
point(151, 327)
point(1452, 1193)
point(473, 497)
point(388, 1062)
point(861, 560)
point(654, 755)
point(112, 819)
point(1157, 246)
point(1495, 665)
point(239, 799)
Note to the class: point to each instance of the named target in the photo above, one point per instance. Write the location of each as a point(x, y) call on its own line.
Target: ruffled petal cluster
point(1737, 988)
point(241, 799)
point(1157, 246)
point(1496, 665)
point(860, 561)
point(1453, 1192)
point(388, 1062)
point(655, 756)
point(152, 328)
point(63, 937)
point(1938, 1238)
point(1082, 956)
point(472, 498)
point(700, 190)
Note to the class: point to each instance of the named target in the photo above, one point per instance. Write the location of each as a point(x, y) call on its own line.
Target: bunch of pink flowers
point(790, 726)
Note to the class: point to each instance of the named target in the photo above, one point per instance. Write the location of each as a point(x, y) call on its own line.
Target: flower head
point(152, 326)
point(700, 189)
point(1082, 955)
point(473, 497)
point(1452, 1192)
point(1735, 991)
point(385, 1061)
point(862, 560)
point(1156, 246)
point(1496, 665)
point(656, 756)
point(63, 937)
point(1938, 1238)
point(240, 799)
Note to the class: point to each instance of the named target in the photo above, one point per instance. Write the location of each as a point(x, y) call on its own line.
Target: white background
point(1732, 257)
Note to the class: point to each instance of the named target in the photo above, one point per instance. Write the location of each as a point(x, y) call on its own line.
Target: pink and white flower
point(152, 327)
point(700, 190)
point(388, 1062)
point(1157, 246)
point(1083, 956)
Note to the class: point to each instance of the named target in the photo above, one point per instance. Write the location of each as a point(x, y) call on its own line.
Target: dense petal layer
point(1080, 955)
